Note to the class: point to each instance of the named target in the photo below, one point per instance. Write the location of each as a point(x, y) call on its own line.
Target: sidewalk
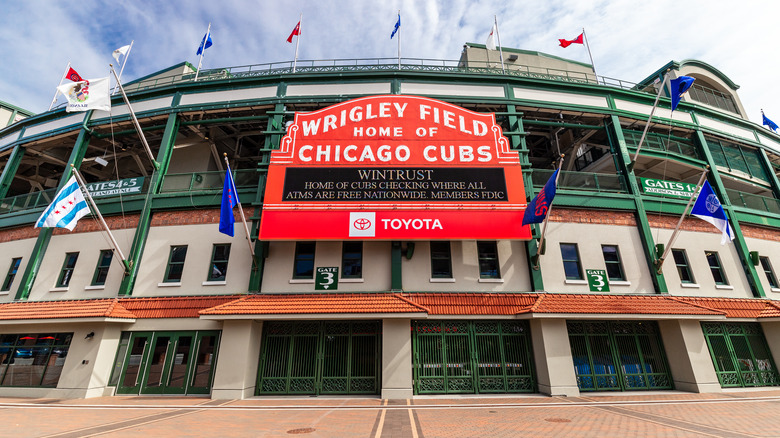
point(753, 413)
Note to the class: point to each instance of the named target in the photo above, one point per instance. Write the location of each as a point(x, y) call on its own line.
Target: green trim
point(178, 67)
point(683, 265)
point(101, 268)
point(169, 267)
point(215, 261)
point(13, 269)
point(16, 109)
point(68, 266)
point(352, 256)
point(674, 65)
point(396, 277)
point(9, 172)
point(531, 53)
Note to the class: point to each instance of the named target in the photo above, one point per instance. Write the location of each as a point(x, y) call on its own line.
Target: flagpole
point(124, 63)
point(83, 186)
point(649, 119)
point(241, 210)
point(57, 90)
point(399, 41)
point(297, 41)
point(500, 51)
point(660, 261)
point(539, 251)
point(202, 52)
point(591, 56)
point(135, 119)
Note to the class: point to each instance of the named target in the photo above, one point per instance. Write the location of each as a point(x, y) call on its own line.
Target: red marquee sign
point(391, 168)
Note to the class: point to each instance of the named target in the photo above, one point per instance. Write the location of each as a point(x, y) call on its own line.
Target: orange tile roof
point(614, 304)
point(736, 307)
point(474, 303)
point(100, 308)
point(313, 303)
point(173, 307)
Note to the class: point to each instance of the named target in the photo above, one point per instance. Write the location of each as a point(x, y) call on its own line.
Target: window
point(571, 261)
point(612, 260)
point(716, 268)
point(770, 273)
point(67, 269)
point(12, 270)
point(175, 264)
point(441, 260)
point(683, 268)
point(101, 272)
point(304, 260)
point(219, 262)
point(487, 252)
point(352, 260)
point(33, 359)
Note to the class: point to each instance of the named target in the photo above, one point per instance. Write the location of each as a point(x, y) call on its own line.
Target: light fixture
point(90, 335)
point(101, 161)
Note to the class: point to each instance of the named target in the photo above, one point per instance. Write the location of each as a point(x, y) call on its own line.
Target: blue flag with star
point(229, 200)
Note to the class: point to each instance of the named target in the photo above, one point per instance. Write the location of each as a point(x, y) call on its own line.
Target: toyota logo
point(361, 224)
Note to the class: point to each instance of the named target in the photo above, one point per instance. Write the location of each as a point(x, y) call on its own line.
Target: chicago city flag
point(537, 209)
point(708, 208)
point(92, 94)
point(66, 209)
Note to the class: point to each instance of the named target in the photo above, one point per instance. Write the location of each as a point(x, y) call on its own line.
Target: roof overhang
point(4, 322)
point(309, 316)
point(621, 316)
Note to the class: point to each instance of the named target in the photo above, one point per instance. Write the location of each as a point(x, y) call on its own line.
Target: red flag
point(566, 43)
point(73, 76)
point(296, 31)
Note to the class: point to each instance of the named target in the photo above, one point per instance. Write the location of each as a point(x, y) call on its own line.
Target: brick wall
point(572, 215)
point(192, 217)
point(755, 232)
point(85, 225)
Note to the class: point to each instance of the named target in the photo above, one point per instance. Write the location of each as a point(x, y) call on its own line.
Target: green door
point(313, 357)
point(740, 354)
point(134, 363)
point(453, 357)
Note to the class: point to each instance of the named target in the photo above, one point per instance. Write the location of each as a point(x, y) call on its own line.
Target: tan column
point(552, 356)
point(689, 358)
point(772, 334)
point(238, 359)
point(396, 359)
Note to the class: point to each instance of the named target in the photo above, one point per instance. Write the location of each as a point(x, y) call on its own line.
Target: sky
point(629, 40)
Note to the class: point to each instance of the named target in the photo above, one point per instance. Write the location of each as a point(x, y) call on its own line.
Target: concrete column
point(238, 359)
point(772, 335)
point(552, 356)
point(87, 368)
point(396, 359)
point(689, 358)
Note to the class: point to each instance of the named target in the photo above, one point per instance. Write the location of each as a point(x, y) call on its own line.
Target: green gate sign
point(327, 279)
point(671, 188)
point(116, 187)
point(597, 280)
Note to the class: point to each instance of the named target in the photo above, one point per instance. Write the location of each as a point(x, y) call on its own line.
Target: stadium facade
point(385, 253)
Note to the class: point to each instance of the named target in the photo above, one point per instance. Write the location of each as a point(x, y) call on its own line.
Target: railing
point(712, 97)
point(27, 201)
point(186, 182)
point(660, 143)
point(755, 202)
point(382, 64)
point(594, 182)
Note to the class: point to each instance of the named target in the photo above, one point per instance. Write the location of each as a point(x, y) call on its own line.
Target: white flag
point(92, 94)
point(66, 209)
point(120, 51)
point(491, 40)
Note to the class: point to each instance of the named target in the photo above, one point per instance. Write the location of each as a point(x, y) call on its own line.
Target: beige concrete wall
point(714, 82)
point(9, 251)
point(772, 335)
point(689, 358)
point(695, 245)
point(396, 359)
point(589, 238)
point(88, 245)
point(536, 62)
point(200, 240)
point(765, 248)
point(237, 362)
point(552, 357)
point(191, 155)
point(465, 269)
point(278, 268)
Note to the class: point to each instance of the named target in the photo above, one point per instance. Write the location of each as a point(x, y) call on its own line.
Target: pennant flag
point(66, 209)
point(772, 125)
point(86, 95)
point(229, 200)
point(296, 31)
point(123, 51)
point(537, 209)
point(491, 40)
point(397, 25)
point(73, 76)
point(678, 87)
point(205, 43)
point(708, 208)
point(567, 43)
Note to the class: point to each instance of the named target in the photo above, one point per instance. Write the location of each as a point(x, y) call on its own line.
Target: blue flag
point(678, 87)
point(397, 25)
point(537, 209)
point(229, 200)
point(772, 125)
point(708, 208)
point(205, 44)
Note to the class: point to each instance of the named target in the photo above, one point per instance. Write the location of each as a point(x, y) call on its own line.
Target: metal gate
point(740, 354)
point(618, 356)
point(472, 357)
point(314, 357)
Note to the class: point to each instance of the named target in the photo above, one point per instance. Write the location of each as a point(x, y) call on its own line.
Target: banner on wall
point(394, 167)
